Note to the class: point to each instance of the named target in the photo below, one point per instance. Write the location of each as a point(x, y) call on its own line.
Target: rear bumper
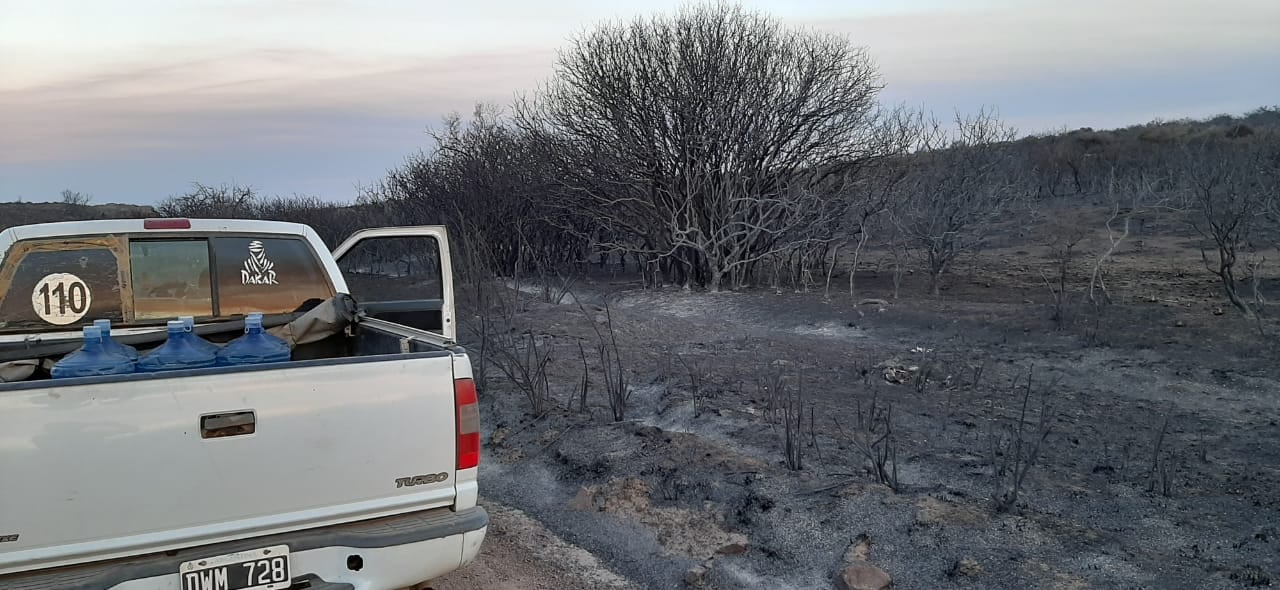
point(393, 552)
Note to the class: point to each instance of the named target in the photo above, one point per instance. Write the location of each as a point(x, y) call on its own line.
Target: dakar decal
point(258, 269)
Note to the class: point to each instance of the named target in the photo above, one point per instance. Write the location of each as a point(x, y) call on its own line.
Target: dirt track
point(520, 554)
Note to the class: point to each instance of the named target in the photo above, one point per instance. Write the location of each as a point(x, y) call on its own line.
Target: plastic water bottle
point(180, 351)
point(92, 359)
point(109, 344)
point(256, 346)
point(199, 342)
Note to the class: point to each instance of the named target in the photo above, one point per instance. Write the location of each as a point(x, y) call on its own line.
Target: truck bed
point(133, 455)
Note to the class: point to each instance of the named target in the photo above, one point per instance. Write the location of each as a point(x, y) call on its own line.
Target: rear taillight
point(468, 427)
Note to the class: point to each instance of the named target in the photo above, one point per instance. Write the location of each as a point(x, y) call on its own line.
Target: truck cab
point(351, 466)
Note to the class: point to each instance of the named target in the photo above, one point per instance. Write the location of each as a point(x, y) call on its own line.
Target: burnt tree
point(1224, 183)
point(702, 140)
point(958, 184)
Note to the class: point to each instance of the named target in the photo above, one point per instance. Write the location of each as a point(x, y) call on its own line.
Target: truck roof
point(121, 226)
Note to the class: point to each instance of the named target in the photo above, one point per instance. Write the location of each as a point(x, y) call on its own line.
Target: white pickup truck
point(350, 467)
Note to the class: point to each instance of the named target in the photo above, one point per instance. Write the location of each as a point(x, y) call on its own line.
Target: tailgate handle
point(228, 424)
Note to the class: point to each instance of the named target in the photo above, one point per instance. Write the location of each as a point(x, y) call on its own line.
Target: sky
point(133, 101)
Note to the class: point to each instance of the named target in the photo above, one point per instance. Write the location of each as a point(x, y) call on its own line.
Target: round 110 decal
point(61, 298)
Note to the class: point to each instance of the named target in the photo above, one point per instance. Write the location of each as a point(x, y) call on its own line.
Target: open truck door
point(402, 275)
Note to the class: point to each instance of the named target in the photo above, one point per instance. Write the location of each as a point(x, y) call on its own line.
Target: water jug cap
point(188, 321)
point(253, 323)
point(177, 326)
point(102, 324)
point(92, 333)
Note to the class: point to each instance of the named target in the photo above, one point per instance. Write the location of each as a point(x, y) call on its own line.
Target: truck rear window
point(61, 287)
point(170, 279)
point(140, 279)
point(271, 275)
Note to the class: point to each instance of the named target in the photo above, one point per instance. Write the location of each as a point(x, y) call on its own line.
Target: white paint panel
point(95, 471)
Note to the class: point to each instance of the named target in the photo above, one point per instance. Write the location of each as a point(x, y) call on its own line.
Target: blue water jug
point(180, 351)
point(199, 342)
point(109, 344)
point(256, 346)
point(92, 359)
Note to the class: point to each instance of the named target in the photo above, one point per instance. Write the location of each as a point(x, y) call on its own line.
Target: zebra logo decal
point(258, 269)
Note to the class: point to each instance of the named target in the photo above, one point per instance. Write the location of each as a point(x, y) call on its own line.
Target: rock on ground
point(863, 576)
point(859, 574)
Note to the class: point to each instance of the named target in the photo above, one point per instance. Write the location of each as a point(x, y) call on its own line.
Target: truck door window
point(62, 284)
point(269, 275)
point(393, 268)
point(170, 278)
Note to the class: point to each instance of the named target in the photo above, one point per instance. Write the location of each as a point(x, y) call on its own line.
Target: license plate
point(259, 569)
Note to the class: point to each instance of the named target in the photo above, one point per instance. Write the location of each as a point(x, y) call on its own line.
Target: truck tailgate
point(103, 469)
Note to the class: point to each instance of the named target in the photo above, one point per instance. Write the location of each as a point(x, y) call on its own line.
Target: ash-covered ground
point(1158, 468)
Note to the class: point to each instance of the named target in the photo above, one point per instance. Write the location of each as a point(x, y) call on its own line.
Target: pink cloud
point(264, 93)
